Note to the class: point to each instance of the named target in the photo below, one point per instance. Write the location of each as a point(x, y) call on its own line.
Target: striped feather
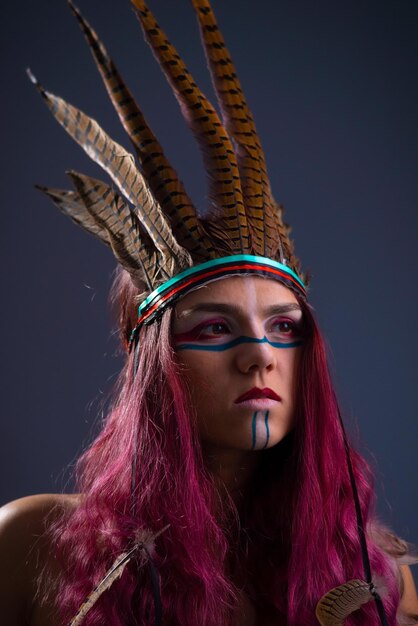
point(70, 203)
point(236, 115)
point(120, 166)
point(131, 244)
point(214, 142)
point(162, 178)
point(143, 549)
point(114, 573)
point(287, 248)
point(270, 233)
point(336, 605)
point(101, 211)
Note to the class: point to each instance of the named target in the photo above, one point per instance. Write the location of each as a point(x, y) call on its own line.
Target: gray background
point(333, 89)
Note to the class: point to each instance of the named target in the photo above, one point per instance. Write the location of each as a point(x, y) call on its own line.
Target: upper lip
point(256, 392)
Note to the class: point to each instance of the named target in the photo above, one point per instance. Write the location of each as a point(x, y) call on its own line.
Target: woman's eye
point(205, 331)
point(214, 329)
point(284, 327)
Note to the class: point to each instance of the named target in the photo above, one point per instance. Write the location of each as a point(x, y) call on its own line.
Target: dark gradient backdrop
point(334, 92)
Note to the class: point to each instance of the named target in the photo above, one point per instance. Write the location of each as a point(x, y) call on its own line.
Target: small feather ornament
point(336, 605)
point(144, 544)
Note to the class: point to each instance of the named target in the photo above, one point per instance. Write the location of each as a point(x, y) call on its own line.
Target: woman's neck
point(231, 470)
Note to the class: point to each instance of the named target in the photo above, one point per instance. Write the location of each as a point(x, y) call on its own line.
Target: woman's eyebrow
point(236, 309)
point(278, 309)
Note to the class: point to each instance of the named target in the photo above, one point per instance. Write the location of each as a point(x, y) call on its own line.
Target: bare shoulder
point(24, 551)
point(409, 601)
point(23, 522)
point(34, 508)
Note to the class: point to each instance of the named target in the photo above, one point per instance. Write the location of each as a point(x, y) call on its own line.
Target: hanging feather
point(233, 232)
point(144, 546)
point(336, 605)
point(162, 178)
point(120, 166)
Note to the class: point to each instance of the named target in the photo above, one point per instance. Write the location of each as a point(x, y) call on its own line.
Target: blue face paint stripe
point(266, 422)
point(236, 342)
point(254, 430)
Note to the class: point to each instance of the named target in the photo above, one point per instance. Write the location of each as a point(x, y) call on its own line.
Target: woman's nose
point(255, 354)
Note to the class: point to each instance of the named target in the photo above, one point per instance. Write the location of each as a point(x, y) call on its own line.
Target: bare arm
point(24, 553)
point(15, 579)
point(409, 601)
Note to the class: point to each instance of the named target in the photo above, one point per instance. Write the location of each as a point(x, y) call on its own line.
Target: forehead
point(251, 293)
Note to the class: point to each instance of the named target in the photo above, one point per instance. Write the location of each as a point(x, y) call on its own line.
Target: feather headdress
point(145, 215)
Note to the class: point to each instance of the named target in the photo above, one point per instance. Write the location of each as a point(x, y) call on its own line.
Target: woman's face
point(238, 340)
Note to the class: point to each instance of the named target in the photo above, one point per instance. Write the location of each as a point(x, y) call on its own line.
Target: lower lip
point(258, 404)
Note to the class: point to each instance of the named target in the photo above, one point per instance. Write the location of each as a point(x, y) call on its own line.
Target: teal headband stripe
point(223, 262)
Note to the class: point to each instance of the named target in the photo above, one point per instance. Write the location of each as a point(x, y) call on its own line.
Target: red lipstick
point(255, 394)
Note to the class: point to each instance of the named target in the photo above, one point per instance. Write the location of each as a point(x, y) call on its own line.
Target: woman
point(221, 489)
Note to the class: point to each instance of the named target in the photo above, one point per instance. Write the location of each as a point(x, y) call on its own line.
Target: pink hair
point(298, 533)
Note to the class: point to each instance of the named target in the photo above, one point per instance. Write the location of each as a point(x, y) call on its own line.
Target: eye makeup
point(201, 332)
point(285, 328)
point(282, 328)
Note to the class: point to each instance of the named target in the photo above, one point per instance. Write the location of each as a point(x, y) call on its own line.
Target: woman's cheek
point(199, 379)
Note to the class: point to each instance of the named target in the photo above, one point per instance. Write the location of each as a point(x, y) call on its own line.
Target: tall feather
point(236, 115)
point(228, 224)
point(120, 166)
point(162, 178)
point(271, 233)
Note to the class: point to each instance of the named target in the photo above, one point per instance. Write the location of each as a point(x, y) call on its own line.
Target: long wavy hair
point(296, 538)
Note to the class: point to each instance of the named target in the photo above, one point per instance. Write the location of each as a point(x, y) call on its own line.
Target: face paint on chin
point(260, 432)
